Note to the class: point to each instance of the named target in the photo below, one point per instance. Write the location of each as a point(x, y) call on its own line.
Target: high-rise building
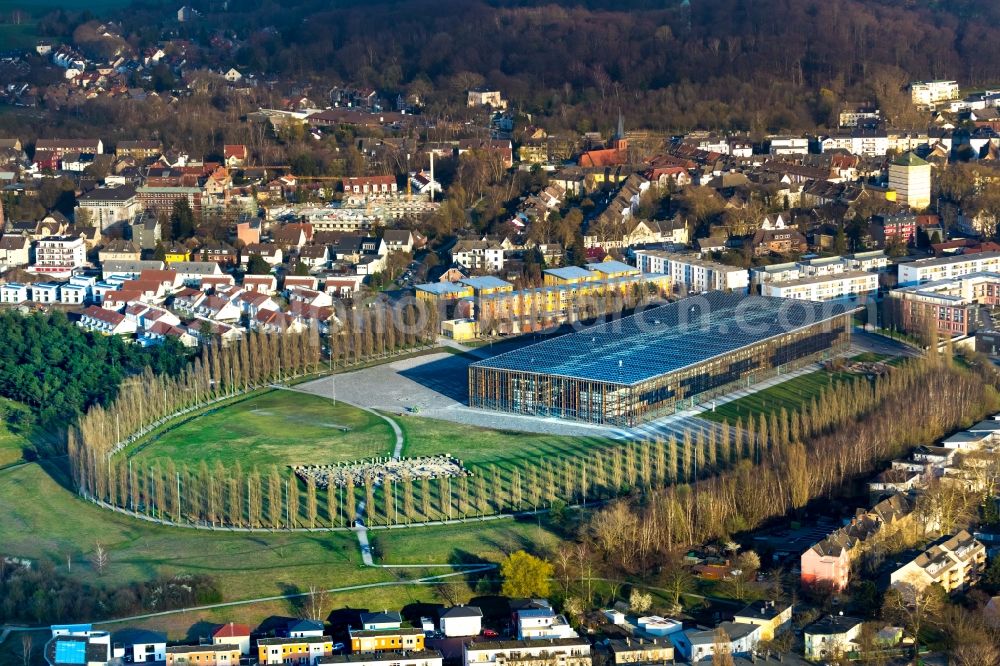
point(910, 177)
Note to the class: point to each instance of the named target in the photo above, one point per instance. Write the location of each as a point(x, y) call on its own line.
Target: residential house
point(233, 634)
point(828, 562)
point(119, 250)
point(252, 302)
point(293, 651)
point(417, 658)
point(14, 293)
point(398, 240)
point(314, 257)
point(547, 652)
point(269, 252)
point(381, 620)
point(219, 253)
point(15, 250)
point(217, 654)
point(461, 621)
point(775, 237)
point(145, 231)
point(737, 638)
point(954, 564)
point(140, 150)
point(831, 637)
point(108, 322)
point(263, 284)
point(235, 155)
point(541, 623)
point(479, 255)
point(374, 185)
point(641, 651)
point(773, 617)
point(691, 273)
point(386, 640)
point(139, 646)
point(248, 230)
point(176, 253)
point(304, 629)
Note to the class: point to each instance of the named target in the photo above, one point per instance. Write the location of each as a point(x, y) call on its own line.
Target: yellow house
point(381, 640)
point(293, 651)
point(485, 285)
point(176, 253)
point(203, 655)
point(772, 617)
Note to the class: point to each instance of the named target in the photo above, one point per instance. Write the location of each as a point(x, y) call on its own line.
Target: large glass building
point(660, 360)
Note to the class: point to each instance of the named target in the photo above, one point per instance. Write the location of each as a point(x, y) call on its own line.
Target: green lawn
point(489, 541)
point(483, 446)
point(791, 395)
point(42, 520)
point(277, 427)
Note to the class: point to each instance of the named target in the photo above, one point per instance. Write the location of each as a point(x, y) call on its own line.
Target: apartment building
point(951, 305)
point(304, 651)
point(947, 268)
point(929, 93)
point(414, 658)
point(688, 272)
point(59, 256)
point(954, 564)
point(203, 655)
point(539, 652)
point(852, 285)
point(386, 640)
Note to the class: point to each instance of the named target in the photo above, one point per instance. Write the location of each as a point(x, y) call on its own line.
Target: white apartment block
point(869, 143)
point(692, 273)
point(478, 255)
point(59, 256)
point(929, 93)
point(947, 268)
point(789, 145)
point(851, 285)
point(552, 652)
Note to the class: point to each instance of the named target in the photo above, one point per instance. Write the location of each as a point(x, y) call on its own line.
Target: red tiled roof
point(231, 631)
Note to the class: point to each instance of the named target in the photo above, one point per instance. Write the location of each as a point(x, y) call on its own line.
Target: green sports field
point(273, 428)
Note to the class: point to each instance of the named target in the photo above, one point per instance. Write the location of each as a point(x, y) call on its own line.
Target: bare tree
point(316, 603)
point(99, 558)
point(27, 648)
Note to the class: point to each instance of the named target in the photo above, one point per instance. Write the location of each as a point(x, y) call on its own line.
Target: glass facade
point(613, 393)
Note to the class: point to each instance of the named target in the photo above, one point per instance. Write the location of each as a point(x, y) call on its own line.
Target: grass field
point(277, 427)
point(490, 542)
point(791, 395)
point(42, 520)
point(483, 446)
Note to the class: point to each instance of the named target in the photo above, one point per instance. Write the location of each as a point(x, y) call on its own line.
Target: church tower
point(621, 143)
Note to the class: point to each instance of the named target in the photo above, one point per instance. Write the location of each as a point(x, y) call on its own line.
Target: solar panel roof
point(666, 338)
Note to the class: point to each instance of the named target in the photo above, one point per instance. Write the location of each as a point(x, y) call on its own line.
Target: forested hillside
point(740, 64)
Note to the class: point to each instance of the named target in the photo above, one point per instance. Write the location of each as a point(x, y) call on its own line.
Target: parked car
point(489, 633)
